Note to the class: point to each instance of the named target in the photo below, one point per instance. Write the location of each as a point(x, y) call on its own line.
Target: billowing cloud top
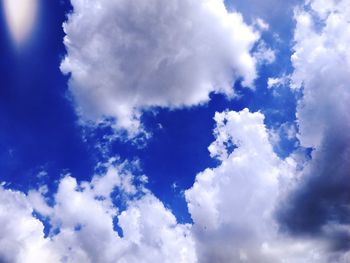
point(125, 55)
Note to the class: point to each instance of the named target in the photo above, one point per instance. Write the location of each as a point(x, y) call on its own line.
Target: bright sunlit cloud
point(20, 15)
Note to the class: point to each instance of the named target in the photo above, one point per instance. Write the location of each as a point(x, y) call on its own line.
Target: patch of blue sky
point(38, 123)
point(39, 126)
point(46, 223)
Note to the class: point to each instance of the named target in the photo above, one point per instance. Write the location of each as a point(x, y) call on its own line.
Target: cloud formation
point(83, 220)
point(128, 55)
point(125, 56)
point(318, 204)
point(231, 205)
point(22, 236)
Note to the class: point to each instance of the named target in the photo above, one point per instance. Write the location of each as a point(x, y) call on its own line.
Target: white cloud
point(319, 203)
point(261, 24)
point(22, 236)
point(264, 54)
point(321, 60)
point(278, 82)
point(125, 55)
point(147, 221)
point(231, 205)
point(84, 215)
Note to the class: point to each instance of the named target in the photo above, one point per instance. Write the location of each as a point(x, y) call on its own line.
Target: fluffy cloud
point(84, 216)
point(232, 207)
point(22, 236)
point(319, 51)
point(318, 205)
point(125, 55)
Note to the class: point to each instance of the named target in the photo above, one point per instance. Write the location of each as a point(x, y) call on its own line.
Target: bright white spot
point(20, 15)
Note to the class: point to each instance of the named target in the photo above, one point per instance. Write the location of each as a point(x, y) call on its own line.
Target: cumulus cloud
point(22, 236)
point(125, 56)
point(231, 204)
point(318, 204)
point(83, 224)
point(318, 53)
point(232, 207)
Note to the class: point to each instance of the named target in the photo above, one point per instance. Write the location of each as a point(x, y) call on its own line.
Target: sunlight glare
point(20, 15)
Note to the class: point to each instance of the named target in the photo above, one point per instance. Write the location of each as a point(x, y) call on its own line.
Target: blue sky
point(174, 131)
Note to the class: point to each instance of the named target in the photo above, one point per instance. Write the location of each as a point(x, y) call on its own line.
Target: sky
point(175, 131)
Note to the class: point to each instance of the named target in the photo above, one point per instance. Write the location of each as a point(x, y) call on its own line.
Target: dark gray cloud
point(318, 206)
point(322, 197)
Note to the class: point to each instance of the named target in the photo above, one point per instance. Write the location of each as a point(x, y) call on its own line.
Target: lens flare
point(20, 15)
